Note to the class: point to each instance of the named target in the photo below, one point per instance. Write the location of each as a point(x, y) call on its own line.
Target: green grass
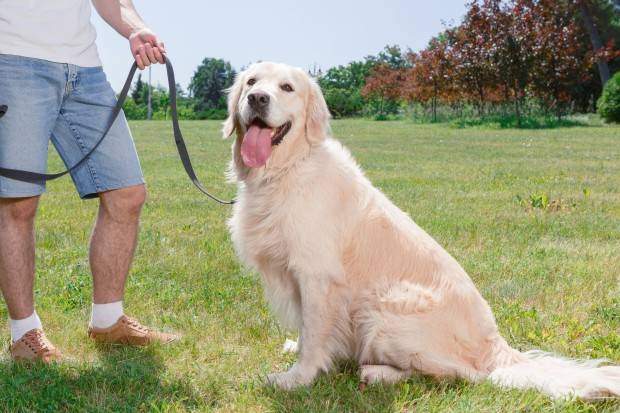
point(532, 215)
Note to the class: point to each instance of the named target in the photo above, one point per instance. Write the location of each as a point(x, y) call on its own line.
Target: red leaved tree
point(385, 83)
point(472, 54)
point(503, 52)
point(562, 58)
point(512, 40)
point(430, 77)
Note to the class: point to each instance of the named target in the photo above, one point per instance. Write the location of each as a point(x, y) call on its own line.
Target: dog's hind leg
point(377, 373)
point(413, 328)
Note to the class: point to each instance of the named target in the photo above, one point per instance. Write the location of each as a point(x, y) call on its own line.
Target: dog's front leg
point(321, 302)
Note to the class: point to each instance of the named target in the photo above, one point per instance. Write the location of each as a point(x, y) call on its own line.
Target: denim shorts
point(70, 105)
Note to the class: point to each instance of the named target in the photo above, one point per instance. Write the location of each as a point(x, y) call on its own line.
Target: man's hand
point(146, 48)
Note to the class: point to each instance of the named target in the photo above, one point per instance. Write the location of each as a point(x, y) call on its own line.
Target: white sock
point(106, 315)
point(21, 327)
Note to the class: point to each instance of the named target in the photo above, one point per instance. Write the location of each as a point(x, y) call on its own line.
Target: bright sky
point(301, 33)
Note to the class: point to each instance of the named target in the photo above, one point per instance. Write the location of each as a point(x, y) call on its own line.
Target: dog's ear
point(234, 93)
point(317, 115)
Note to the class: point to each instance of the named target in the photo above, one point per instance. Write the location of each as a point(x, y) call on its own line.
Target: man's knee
point(124, 204)
point(18, 210)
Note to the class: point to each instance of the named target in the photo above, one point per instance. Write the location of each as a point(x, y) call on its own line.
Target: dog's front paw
point(290, 346)
point(289, 380)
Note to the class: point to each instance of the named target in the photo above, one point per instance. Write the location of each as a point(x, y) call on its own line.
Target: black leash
point(34, 177)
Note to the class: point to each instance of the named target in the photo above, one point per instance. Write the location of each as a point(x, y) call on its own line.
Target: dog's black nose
point(258, 101)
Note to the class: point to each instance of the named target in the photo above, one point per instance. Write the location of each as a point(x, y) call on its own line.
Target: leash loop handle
point(35, 177)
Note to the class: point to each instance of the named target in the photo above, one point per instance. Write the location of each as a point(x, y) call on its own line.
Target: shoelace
point(133, 323)
point(37, 342)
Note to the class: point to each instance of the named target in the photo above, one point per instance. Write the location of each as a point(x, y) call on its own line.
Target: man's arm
point(123, 17)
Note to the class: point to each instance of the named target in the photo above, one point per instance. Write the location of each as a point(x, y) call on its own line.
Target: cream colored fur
point(354, 275)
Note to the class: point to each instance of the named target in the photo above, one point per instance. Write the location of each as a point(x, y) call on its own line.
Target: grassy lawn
point(532, 215)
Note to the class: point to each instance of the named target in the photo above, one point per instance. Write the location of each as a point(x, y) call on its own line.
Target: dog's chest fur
point(260, 225)
point(261, 229)
point(294, 220)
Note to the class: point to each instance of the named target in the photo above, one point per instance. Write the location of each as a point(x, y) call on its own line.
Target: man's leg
point(17, 255)
point(112, 248)
point(17, 263)
point(113, 175)
point(113, 242)
point(28, 342)
point(32, 89)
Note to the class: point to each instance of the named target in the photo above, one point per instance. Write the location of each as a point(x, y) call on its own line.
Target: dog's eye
point(251, 81)
point(287, 87)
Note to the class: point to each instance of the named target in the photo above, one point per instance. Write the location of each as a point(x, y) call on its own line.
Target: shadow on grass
point(340, 392)
point(123, 380)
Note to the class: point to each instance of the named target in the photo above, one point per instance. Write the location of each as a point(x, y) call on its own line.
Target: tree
point(134, 111)
point(502, 53)
point(140, 90)
point(384, 84)
point(160, 100)
point(595, 39)
point(390, 55)
point(562, 56)
point(429, 77)
point(472, 55)
point(351, 76)
point(209, 83)
point(342, 87)
point(512, 41)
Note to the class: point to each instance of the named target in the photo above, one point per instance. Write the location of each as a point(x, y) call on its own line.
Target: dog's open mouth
point(259, 141)
point(276, 134)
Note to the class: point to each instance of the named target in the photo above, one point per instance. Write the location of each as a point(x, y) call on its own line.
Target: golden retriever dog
point(352, 273)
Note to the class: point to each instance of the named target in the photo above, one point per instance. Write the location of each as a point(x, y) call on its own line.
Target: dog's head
point(278, 113)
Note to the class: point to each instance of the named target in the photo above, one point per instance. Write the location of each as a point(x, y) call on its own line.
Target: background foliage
point(521, 61)
point(517, 57)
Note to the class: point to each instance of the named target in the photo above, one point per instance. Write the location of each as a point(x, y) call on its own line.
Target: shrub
point(609, 102)
point(186, 113)
point(343, 102)
point(161, 115)
point(213, 114)
point(134, 111)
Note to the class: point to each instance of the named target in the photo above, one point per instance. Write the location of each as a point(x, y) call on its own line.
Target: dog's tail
point(558, 377)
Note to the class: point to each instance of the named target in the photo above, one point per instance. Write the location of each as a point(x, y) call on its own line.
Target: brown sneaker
point(34, 346)
point(129, 331)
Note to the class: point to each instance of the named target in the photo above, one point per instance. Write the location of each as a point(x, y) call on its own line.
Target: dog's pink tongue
point(256, 146)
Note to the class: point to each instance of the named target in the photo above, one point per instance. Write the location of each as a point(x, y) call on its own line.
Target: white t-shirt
point(55, 30)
